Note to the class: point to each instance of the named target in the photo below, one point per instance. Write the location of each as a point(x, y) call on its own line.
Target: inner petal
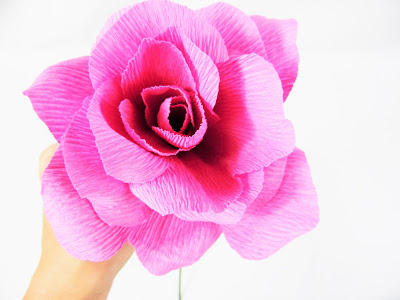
point(154, 96)
point(186, 141)
point(177, 116)
point(174, 115)
point(156, 63)
point(136, 127)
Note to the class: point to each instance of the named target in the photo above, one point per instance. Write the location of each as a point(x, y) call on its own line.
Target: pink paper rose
point(172, 132)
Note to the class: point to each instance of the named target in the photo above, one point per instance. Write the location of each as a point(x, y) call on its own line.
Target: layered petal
point(239, 32)
point(135, 124)
point(279, 37)
point(167, 243)
point(122, 158)
point(269, 224)
point(111, 21)
point(76, 225)
point(119, 44)
point(187, 142)
point(154, 96)
point(173, 115)
point(203, 69)
point(156, 63)
point(190, 183)
point(273, 176)
point(58, 93)
point(252, 131)
point(111, 198)
point(252, 185)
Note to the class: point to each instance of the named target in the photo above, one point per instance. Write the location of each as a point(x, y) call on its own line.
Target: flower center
point(177, 116)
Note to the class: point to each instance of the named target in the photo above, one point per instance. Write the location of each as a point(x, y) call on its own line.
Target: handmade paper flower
point(172, 132)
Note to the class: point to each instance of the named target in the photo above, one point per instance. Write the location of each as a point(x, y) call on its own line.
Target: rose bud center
point(174, 116)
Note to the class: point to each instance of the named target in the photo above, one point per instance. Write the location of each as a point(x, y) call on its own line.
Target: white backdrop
point(344, 105)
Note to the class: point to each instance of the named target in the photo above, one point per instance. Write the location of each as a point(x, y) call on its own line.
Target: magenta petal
point(253, 131)
point(203, 69)
point(239, 32)
point(156, 63)
point(119, 44)
point(167, 243)
point(76, 225)
point(58, 93)
point(122, 158)
point(111, 198)
point(154, 96)
point(279, 37)
point(110, 22)
point(185, 142)
point(190, 183)
point(135, 124)
point(268, 224)
point(252, 185)
point(178, 110)
point(273, 176)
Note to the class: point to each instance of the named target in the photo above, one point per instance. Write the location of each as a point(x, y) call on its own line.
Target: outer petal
point(203, 69)
point(190, 183)
point(156, 63)
point(252, 131)
point(122, 158)
point(167, 243)
point(237, 29)
point(279, 37)
point(268, 226)
point(252, 185)
point(149, 19)
point(76, 225)
point(110, 22)
point(111, 198)
point(58, 93)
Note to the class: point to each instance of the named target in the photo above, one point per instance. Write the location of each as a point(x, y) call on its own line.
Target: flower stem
point(180, 284)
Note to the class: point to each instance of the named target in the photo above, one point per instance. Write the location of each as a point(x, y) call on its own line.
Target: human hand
point(61, 276)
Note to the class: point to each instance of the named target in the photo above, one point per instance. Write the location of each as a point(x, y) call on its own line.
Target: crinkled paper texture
point(171, 133)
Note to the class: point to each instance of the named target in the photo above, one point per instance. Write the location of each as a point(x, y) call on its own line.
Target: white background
point(345, 108)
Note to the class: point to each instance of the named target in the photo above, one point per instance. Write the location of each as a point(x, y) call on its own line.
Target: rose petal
point(110, 22)
point(176, 113)
point(58, 93)
point(76, 225)
point(135, 124)
point(190, 183)
point(185, 142)
point(252, 131)
point(203, 69)
point(239, 32)
point(111, 198)
point(118, 45)
point(167, 243)
point(279, 37)
point(163, 114)
point(122, 158)
point(156, 63)
point(273, 176)
point(252, 185)
point(154, 96)
point(268, 224)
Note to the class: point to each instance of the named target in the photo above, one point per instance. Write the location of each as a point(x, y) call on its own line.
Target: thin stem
point(180, 283)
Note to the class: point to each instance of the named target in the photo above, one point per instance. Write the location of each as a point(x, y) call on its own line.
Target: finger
point(45, 158)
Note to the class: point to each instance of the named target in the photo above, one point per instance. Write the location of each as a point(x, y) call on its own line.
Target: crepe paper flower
point(172, 132)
